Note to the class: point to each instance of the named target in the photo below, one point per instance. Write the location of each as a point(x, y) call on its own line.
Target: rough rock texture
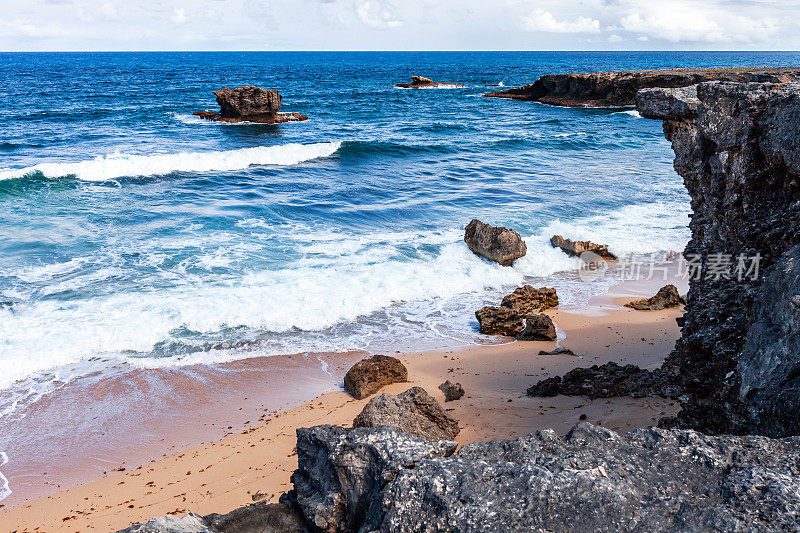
point(607, 381)
point(190, 523)
point(667, 296)
point(452, 391)
point(250, 104)
point(368, 376)
point(618, 89)
point(342, 471)
point(414, 412)
point(739, 155)
point(557, 351)
point(498, 244)
point(576, 248)
point(538, 328)
point(256, 518)
point(592, 480)
point(509, 318)
point(421, 82)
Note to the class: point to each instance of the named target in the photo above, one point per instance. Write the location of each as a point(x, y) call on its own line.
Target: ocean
point(134, 235)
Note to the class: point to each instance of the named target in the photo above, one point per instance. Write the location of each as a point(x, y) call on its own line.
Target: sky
point(96, 25)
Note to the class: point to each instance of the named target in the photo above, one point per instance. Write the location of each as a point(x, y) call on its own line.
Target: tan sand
point(256, 463)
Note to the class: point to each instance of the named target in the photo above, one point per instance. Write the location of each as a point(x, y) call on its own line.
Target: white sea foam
point(5, 491)
point(631, 112)
point(118, 165)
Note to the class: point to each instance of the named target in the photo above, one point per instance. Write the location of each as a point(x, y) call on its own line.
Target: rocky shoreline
point(618, 89)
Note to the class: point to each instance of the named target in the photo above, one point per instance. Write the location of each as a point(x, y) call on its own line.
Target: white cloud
point(614, 38)
point(377, 14)
point(178, 15)
point(541, 20)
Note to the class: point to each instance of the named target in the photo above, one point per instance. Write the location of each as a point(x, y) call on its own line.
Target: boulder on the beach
point(421, 82)
point(499, 321)
point(667, 296)
point(576, 248)
point(414, 412)
point(368, 376)
point(538, 328)
point(249, 104)
point(452, 391)
point(189, 523)
point(494, 243)
point(557, 351)
point(280, 517)
point(341, 472)
point(527, 300)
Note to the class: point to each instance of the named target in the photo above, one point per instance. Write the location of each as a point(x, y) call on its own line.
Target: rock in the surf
point(667, 296)
point(538, 328)
point(527, 300)
point(414, 412)
point(494, 243)
point(368, 376)
point(249, 104)
point(499, 321)
point(452, 391)
point(421, 82)
point(576, 248)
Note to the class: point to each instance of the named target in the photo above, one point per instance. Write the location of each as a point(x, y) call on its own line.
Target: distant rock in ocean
point(420, 82)
point(618, 89)
point(495, 243)
point(576, 248)
point(249, 104)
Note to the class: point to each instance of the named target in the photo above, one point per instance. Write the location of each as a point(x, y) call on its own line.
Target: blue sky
point(399, 25)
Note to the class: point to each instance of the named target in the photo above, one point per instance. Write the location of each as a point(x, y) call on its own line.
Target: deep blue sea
point(133, 234)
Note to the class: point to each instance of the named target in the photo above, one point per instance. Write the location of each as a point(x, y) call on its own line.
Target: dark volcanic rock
point(342, 471)
point(667, 296)
point(538, 328)
point(618, 89)
point(499, 321)
point(739, 155)
point(498, 244)
point(576, 248)
point(414, 412)
point(368, 376)
point(250, 104)
point(557, 351)
point(259, 518)
point(527, 301)
point(606, 381)
point(420, 82)
point(592, 480)
point(452, 391)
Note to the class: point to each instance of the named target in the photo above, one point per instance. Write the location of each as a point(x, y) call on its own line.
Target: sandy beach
point(251, 460)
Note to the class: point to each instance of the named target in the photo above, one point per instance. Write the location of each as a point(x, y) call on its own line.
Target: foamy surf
point(5, 491)
point(120, 165)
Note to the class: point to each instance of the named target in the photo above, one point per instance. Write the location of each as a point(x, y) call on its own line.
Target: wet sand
point(255, 459)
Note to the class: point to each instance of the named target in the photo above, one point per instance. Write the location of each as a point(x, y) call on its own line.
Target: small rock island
point(420, 82)
point(249, 104)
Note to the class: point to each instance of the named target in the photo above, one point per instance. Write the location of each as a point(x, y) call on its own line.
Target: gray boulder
point(414, 412)
point(190, 523)
point(494, 243)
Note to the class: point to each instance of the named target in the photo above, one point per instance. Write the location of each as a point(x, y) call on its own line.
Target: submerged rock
point(667, 296)
point(368, 376)
point(414, 412)
point(538, 328)
point(494, 243)
point(421, 82)
point(250, 104)
point(452, 391)
point(576, 248)
point(618, 89)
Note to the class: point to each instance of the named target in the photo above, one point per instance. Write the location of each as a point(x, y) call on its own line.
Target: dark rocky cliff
point(617, 89)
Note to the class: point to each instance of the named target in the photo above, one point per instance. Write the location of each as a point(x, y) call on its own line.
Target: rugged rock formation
point(509, 318)
point(499, 321)
point(452, 391)
point(342, 472)
point(368, 376)
point(538, 328)
point(618, 89)
point(607, 381)
point(414, 412)
point(420, 82)
point(576, 248)
point(250, 104)
point(667, 296)
point(498, 244)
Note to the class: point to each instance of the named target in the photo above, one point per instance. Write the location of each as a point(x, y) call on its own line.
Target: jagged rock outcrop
point(576, 248)
point(493, 320)
point(618, 89)
point(538, 328)
point(494, 243)
point(368, 376)
point(249, 104)
point(607, 381)
point(414, 412)
point(421, 82)
point(666, 297)
point(509, 318)
point(451, 391)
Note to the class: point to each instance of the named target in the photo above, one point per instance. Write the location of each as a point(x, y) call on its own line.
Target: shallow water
point(135, 235)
